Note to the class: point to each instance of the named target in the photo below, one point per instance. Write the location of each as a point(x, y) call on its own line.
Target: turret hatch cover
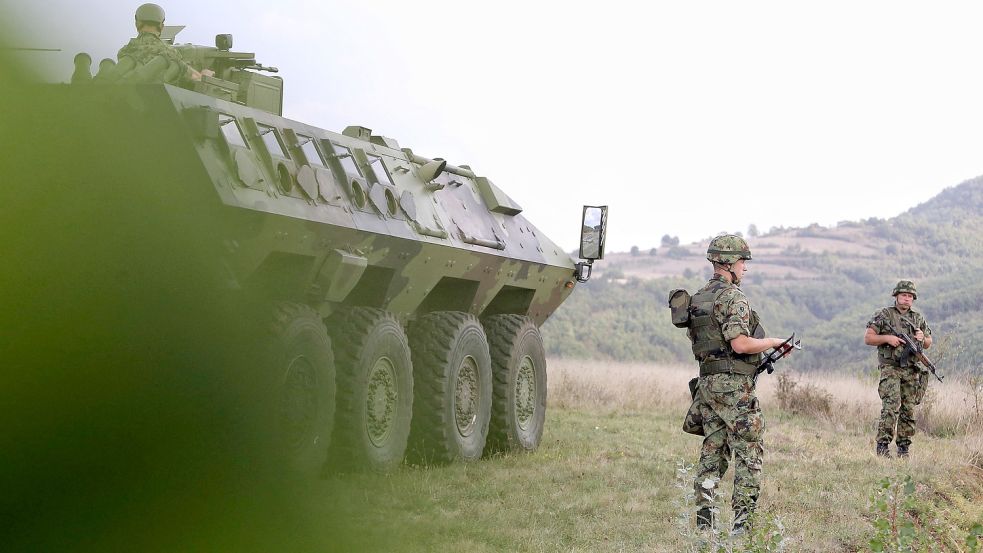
point(307, 181)
point(247, 171)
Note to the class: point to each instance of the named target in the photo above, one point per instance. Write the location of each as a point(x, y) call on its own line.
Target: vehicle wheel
point(452, 371)
point(375, 389)
point(519, 372)
point(304, 368)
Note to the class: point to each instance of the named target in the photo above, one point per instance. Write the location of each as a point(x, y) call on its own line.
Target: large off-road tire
point(519, 372)
point(304, 398)
point(452, 373)
point(375, 390)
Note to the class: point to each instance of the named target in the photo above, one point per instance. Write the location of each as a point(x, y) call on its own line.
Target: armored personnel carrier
point(403, 294)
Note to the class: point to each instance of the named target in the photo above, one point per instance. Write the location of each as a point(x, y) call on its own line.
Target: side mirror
point(592, 232)
point(223, 42)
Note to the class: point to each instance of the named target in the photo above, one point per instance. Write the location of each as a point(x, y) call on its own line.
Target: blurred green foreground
point(131, 414)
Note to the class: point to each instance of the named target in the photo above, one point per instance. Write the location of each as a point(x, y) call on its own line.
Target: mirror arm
point(583, 270)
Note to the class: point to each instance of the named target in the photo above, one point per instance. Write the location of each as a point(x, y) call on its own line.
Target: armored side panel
point(302, 214)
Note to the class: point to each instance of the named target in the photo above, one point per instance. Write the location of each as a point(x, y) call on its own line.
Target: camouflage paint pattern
point(693, 422)
point(130, 222)
point(330, 234)
point(147, 46)
point(732, 418)
point(733, 311)
point(905, 286)
point(901, 388)
point(883, 321)
point(728, 248)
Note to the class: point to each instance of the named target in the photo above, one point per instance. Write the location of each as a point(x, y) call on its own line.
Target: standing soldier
point(727, 341)
point(147, 45)
point(903, 383)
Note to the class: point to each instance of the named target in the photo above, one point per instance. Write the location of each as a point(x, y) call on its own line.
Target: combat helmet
point(151, 13)
point(905, 286)
point(728, 248)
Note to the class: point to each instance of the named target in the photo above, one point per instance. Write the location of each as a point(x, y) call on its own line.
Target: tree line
point(938, 244)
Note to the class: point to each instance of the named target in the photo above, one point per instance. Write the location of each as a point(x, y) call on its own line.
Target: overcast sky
point(686, 118)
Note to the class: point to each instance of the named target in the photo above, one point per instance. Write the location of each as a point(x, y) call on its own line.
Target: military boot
point(882, 450)
point(902, 451)
point(704, 518)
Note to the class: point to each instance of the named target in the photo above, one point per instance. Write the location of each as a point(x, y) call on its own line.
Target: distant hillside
point(824, 283)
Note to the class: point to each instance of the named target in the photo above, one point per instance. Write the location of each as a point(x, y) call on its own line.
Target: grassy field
point(606, 478)
point(606, 475)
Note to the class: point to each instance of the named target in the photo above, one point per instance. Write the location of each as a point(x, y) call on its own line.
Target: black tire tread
point(504, 332)
point(288, 319)
point(432, 339)
point(350, 332)
point(286, 313)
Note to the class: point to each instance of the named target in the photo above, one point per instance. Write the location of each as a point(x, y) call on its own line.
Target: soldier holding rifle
point(728, 342)
point(902, 382)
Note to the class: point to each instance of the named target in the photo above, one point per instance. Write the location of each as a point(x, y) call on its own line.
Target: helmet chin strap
point(733, 276)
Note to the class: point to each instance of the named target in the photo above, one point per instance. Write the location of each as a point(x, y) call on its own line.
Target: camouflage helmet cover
point(728, 248)
point(150, 12)
point(905, 286)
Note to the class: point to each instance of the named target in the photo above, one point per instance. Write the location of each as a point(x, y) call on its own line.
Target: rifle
point(783, 349)
point(911, 347)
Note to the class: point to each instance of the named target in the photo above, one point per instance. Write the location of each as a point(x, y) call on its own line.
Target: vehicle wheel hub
point(381, 401)
point(525, 392)
point(466, 397)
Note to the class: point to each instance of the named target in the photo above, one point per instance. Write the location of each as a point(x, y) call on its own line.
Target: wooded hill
point(824, 283)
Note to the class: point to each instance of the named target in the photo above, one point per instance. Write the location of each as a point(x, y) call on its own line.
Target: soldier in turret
point(147, 44)
point(902, 383)
point(727, 342)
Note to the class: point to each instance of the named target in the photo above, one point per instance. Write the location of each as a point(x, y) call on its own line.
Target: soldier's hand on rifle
point(919, 335)
point(892, 340)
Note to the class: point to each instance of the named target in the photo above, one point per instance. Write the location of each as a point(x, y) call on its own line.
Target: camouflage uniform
point(147, 46)
point(732, 419)
point(902, 383)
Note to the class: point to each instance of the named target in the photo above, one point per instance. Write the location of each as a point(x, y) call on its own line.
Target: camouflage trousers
point(901, 389)
point(732, 421)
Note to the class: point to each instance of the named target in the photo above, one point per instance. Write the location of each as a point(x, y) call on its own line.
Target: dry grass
point(841, 401)
point(604, 477)
point(617, 387)
point(820, 468)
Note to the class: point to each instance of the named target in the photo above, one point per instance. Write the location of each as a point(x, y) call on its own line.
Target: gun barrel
point(227, 55)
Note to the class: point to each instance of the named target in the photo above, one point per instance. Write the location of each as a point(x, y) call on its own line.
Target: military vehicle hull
point(387, 306)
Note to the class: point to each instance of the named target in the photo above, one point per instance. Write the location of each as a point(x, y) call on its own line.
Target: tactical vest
point(887, 355)
point(709, 346)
